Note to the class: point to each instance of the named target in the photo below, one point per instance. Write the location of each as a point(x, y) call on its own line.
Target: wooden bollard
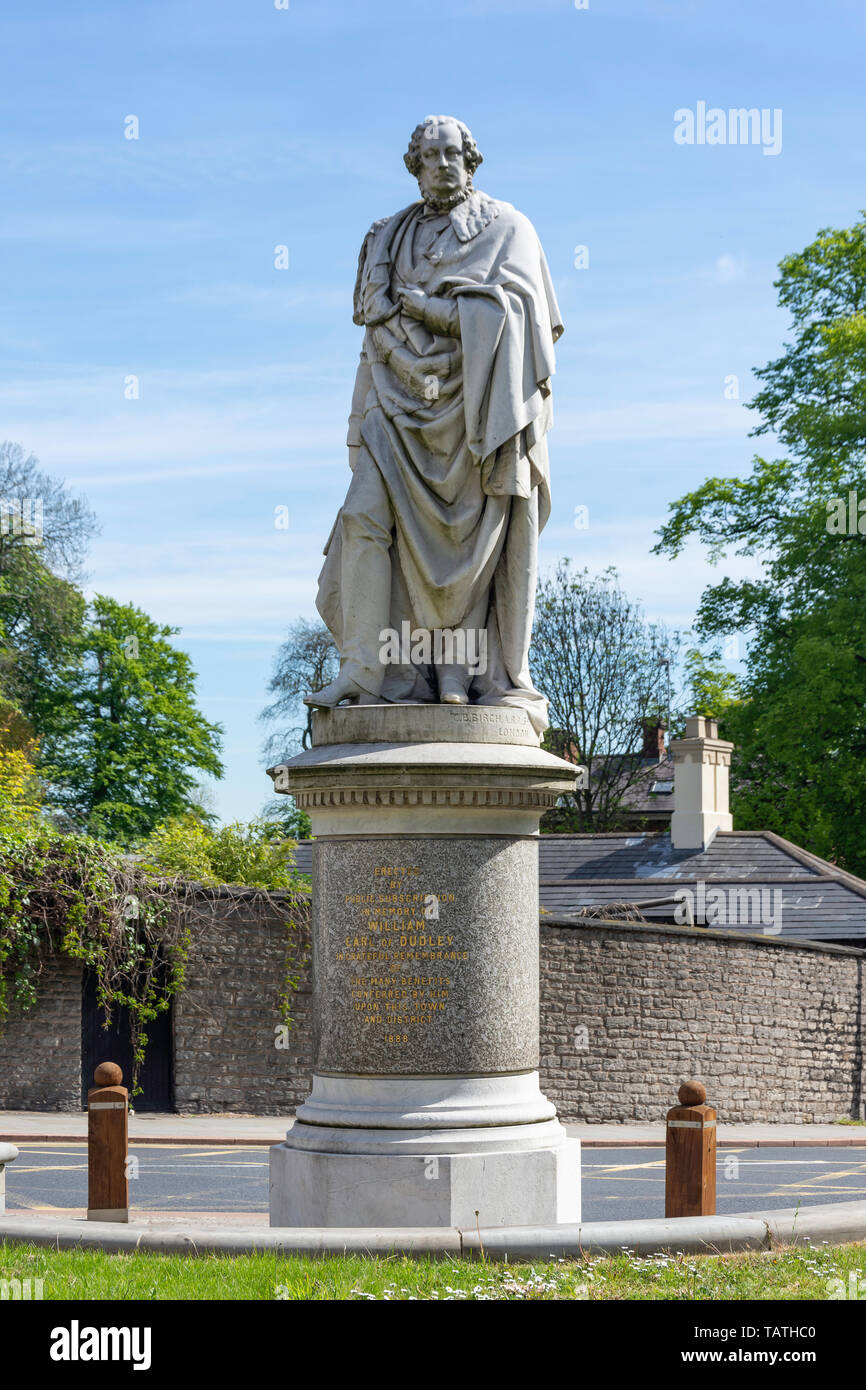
point(690, 1154)
point(107, 1141)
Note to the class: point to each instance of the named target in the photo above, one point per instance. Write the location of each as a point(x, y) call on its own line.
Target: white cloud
point(185, 423)
point(642, 420)
point(669, 590)
point(103, 231)
point(262, 301)
point(214, 583)
point(726, 270)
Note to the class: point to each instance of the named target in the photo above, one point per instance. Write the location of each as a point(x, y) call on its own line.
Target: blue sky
point(261, 127)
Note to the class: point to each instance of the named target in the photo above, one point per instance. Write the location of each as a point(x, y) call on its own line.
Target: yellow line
point(627, 1167)
point(821, 1178)
point(52, 1168)
point(50, 1149)
point(851, 1192)
point(220, 1153)
point(34, 1206)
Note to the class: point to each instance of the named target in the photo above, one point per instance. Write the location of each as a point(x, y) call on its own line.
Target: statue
point(428, 586)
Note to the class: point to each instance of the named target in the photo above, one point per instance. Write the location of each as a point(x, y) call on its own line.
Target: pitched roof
point(646, 785)
point(818, 901)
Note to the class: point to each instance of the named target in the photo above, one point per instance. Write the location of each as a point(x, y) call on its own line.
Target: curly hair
point(472, 156)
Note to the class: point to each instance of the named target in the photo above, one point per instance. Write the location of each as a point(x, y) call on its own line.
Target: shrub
point(253, 854)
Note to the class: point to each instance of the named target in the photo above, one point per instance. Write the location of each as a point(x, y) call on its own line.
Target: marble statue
point(438, 534)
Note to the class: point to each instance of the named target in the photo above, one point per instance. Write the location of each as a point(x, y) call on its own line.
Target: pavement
point(45, 1126)
point(168, 1233)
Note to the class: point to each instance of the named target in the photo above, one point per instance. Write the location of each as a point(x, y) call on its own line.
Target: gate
point(114, 1044)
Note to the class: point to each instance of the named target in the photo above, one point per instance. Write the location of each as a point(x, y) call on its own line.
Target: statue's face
point(443, 171)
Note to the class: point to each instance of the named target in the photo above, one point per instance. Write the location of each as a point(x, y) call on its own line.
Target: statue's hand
point(414, 302)
point(437, 313)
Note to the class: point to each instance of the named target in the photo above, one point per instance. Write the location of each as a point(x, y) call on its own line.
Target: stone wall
point(228, 1053)
point(775, 1029)
point(40, 1048)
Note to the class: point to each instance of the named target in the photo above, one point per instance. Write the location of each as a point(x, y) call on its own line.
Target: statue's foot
point(343, 688)
point(451, 692)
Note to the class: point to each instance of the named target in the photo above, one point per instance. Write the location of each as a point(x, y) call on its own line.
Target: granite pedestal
point(425, 1106)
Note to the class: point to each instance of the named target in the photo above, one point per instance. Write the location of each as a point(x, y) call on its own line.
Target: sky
point(156, 357)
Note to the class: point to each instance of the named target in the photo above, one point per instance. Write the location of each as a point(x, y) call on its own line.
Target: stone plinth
point(425, 1107)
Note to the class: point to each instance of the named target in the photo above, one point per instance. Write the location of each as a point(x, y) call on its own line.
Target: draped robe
point(455, 427)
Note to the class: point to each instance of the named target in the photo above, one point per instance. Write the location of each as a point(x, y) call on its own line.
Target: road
point(618, 1184)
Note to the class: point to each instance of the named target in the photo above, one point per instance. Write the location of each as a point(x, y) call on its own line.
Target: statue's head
point(443, 157)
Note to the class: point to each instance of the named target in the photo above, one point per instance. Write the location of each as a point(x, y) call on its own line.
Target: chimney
point(653, 741)
point(701, 766)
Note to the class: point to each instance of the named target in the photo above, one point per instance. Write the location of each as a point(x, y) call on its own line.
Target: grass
point(788, 1274)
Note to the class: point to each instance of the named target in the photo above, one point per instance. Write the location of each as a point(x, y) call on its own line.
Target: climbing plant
point(127, 918)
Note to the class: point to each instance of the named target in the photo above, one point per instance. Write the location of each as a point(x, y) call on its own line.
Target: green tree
point(711, 688)
point(41, 623)
point(286, 818)
point(800, 726)
point(123, 737)
point(44, 533)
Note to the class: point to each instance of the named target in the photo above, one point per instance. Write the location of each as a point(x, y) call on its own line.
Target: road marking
point(52, 1168)
point(26, 1205)
point(792, 1162)
point(221, 1153)
point(626, 1167)
point(826, 1177)
point(53, 1152)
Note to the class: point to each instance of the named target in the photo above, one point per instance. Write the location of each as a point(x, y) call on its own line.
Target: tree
point(800, 727)
point(602, 667)
point(37, 512)
point(41, 623)
point(20, 792)
point(305, 661)
point(123, 736)
point(44, 532)
point(712, 689)
point(287, 819)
